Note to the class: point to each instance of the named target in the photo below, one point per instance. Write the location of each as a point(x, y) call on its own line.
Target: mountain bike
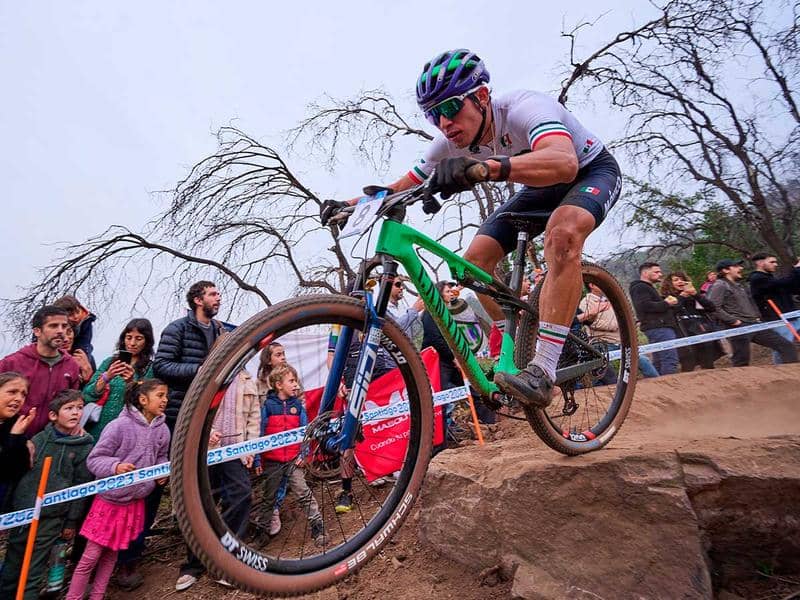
point(595, 385)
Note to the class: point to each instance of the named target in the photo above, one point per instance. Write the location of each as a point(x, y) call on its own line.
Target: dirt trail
point(708, 409)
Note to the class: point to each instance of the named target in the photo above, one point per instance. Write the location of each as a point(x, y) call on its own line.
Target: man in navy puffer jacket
point(185, 343)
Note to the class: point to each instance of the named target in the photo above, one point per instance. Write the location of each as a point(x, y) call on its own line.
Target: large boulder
point(651, 517)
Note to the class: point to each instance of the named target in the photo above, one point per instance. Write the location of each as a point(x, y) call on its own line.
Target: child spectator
point(138, 438)
point(113, 375)
point(711, 277)
point(283, 411)
point(84, 364)
point(82, 320)
point(14, 456)
point(271, 356)
point(68, 444)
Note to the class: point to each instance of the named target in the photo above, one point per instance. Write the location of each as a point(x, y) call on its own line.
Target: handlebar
point(476, 173)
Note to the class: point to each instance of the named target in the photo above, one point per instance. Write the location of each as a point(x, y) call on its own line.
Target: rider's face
point(462, 128)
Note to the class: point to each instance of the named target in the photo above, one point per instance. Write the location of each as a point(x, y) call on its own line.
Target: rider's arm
point(552, 161)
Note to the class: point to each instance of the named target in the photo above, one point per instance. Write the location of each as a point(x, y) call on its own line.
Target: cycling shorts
point(595, 189)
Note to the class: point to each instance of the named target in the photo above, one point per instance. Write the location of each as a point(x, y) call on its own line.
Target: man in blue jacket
point(184, 345)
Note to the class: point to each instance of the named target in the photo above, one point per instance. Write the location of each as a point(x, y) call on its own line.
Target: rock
point(618, 523)
point(490, 577)
point(396, 563)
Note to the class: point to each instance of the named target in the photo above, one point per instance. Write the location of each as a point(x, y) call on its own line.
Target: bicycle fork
point(367, 359)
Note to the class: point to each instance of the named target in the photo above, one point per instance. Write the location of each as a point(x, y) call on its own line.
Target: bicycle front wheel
point(588, 410)
point(299, 559)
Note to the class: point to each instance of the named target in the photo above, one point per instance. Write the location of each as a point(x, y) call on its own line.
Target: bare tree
point(240, 212)
point(709, 90)
point(243, 213)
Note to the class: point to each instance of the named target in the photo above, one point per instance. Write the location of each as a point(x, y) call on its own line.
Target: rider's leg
point(485, 252)
point(567, 230)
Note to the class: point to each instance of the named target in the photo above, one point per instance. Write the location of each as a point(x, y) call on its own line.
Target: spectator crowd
point(96, 420)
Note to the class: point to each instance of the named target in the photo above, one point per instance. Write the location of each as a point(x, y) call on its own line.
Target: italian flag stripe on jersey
point(544, 129)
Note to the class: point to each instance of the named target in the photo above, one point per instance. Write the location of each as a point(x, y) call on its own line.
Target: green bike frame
point(399, 241)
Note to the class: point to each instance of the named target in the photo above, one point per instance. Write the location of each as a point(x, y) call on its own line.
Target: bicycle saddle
point(532, 222)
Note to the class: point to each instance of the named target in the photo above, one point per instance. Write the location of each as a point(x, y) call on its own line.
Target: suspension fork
point(375, 317)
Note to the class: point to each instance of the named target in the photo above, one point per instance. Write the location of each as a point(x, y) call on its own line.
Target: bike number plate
point(363, 216)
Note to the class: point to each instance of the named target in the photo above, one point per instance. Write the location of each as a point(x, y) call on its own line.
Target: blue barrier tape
point(710, 336)
point(215, 456)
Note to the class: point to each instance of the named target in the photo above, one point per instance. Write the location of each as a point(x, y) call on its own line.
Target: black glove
point(329, 208)
point(451, 176)
point(430, 204)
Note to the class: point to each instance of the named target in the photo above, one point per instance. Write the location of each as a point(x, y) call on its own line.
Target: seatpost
point(517, 272)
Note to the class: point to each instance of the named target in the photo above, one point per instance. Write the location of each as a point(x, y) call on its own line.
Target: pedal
point(500, 400)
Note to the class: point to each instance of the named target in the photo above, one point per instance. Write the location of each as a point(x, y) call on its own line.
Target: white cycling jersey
point(522, 119)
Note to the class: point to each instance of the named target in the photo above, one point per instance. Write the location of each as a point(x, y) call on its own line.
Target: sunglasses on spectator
point(398, 284)
point(448, 108)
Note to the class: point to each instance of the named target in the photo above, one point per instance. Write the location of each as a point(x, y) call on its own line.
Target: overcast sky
point(104, 103)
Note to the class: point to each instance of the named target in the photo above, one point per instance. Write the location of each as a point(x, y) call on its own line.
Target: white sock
point(549, 344)
point(501, 325)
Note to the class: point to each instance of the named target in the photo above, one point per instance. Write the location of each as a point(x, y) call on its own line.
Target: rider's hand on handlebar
point(329, 208)
point(453, 175)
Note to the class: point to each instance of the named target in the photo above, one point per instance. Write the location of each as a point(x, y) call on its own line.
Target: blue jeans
point(785, 333)
point(646, 368)
point(230, 487)
point(665, 361)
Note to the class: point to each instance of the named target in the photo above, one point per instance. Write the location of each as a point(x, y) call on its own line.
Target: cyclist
point(528, 138)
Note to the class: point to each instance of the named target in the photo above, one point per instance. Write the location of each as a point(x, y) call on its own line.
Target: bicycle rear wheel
point(291, 563)
point(587, 411)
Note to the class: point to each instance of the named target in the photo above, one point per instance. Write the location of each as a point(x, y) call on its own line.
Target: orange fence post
point(37, 510)
point(475, 422)
point(774, 307)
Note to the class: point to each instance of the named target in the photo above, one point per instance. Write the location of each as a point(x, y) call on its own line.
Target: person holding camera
point(133, 361)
